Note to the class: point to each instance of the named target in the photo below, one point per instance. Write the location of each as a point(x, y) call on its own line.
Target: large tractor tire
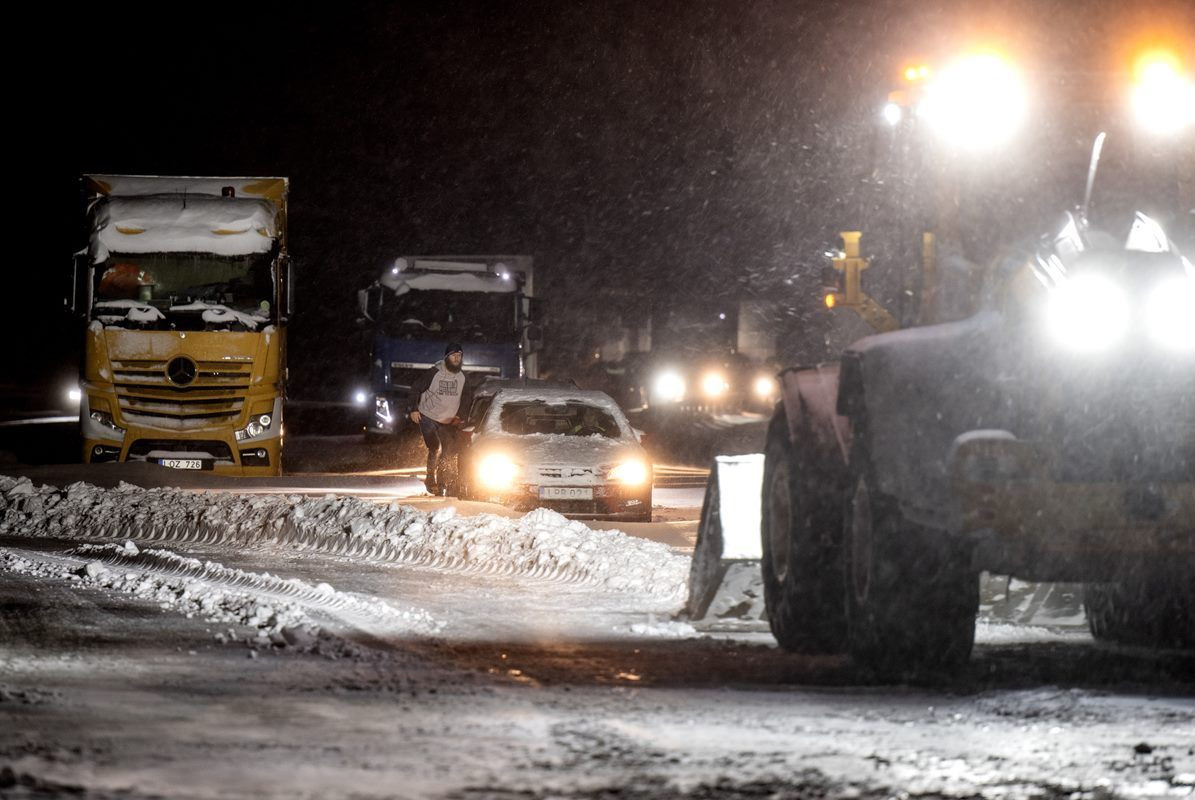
point(912, 595)
point(1154, 610)
point(802, 573)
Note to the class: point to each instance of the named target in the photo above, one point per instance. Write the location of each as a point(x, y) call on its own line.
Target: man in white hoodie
point(437, 397)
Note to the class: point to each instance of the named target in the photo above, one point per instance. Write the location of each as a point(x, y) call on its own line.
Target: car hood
point(548, 450)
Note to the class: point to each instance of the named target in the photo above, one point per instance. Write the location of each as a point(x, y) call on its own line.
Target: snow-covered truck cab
point(422, 303)
point(185, 287)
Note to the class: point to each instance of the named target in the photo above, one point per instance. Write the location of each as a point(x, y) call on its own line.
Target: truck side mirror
point(369, 302)
point(79, 299)
point(287, 306)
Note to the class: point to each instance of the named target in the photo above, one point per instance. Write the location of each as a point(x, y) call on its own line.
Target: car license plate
point(565, 493)
point(181, 463)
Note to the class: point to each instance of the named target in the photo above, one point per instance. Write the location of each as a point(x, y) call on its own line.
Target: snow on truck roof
point(138, 214)
point(171, 224)
point(272, 189)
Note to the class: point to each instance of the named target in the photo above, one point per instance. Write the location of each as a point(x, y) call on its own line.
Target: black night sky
point(643, 152)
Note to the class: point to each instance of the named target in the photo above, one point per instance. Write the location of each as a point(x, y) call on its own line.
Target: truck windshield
point(185, 291)
point(468, 316)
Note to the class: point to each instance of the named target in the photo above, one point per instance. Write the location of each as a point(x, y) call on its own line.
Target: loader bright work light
point(497, 472)
point(976, 103)
point(630, 473)
point(1088, 314)
point(1170, 314)
point(1163, 98)
point(668, 388)
point(765, 387)
point(713, 385)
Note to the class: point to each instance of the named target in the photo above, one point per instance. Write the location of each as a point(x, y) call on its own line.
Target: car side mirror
point(640, 436)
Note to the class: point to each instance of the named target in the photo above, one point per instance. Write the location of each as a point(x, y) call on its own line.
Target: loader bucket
point(724, 578)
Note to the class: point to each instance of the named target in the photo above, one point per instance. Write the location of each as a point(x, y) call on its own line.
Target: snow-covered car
point(570, 450)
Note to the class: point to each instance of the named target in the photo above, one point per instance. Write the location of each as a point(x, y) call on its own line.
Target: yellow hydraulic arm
point(850, 292)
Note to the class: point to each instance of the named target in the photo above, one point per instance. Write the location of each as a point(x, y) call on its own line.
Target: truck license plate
point(181, 463)
point(565, 493)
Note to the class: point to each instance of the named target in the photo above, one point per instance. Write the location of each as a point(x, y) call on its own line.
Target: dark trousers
point(441, 449)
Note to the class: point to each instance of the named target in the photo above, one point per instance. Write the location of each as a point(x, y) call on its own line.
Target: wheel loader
point(1049, 436)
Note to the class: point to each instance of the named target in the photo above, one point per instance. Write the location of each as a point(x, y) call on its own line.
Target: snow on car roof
point(226, 226)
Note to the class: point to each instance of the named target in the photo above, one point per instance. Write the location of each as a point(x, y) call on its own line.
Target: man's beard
point(449, 366)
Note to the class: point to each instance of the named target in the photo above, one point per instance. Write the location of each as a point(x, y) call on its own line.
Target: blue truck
point(421, 303)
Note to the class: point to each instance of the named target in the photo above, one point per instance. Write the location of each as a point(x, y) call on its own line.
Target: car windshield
point(184, 291)
point(570, 418)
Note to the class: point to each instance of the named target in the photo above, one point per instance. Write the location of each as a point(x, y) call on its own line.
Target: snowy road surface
point(198, 644)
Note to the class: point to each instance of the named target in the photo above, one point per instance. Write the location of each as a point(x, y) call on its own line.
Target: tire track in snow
point(541, 545)
point(222, 593)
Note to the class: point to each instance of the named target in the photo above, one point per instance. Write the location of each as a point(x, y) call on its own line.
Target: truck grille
point(209, 392)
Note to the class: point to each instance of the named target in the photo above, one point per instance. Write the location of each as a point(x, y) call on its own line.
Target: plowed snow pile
point(540, 544)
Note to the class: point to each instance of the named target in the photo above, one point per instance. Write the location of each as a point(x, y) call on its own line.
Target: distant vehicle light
point(1171, 314)
point(976, 103)
point(497, 472)
point(893, 114)
point(360, 397)
point(765, 387)
point(1088, 314)
point(713, 385)
point(74, 396)
point(631, 473)
point(1163, 98)
point(669, 387)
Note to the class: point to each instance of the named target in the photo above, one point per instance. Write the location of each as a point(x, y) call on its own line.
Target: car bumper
point(608, 503)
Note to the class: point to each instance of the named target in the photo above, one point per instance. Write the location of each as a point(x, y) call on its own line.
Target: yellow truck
point(185, 285)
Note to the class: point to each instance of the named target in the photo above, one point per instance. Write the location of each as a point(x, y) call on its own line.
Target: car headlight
point(1088, 313)
point(497, 472)
point(714, 384)
point(765, 387)
point(1170, 313)
point(632, 472)
point(105, 419)
point(255, 428)
point(669, 387)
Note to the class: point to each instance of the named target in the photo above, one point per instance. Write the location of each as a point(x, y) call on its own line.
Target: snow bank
point(542, 544)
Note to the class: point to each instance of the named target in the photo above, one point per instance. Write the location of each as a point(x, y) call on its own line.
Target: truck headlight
point(255, 428)
point(381, 410)
point(669, 387)
point(497, 472)
point(632, 472)
point(1171, 314)
point(1088, 313)
point(714, 384)
point(105, 419)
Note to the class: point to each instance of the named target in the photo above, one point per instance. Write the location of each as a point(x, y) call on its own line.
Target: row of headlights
point(1092, 314)
point(670, 387)
point(499, 472)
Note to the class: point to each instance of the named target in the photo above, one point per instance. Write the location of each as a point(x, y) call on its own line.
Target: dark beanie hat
point(453, 347)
